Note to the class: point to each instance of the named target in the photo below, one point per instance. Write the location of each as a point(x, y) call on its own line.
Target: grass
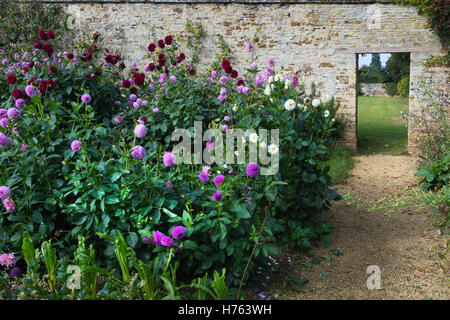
point(381, 129)
point(341, 163)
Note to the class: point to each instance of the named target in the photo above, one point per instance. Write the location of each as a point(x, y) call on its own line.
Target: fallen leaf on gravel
point(417, 273)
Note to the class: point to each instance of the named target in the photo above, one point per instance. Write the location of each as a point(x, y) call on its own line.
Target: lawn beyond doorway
point(381, 129)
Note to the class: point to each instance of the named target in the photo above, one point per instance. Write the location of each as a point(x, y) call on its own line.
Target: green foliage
point(432, 132)
point(376, 62)
point(397, 67)
point(435, 173)
point(340, 163)
point(51, 262)
point(415, 199)
point(438, 60)
point(20, 21)
point(194, 35)
point(403, 87)
point(102, 189)
point(157, 280)
point(391, 88)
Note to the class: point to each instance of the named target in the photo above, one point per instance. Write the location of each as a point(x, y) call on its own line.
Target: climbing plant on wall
point(20, 21)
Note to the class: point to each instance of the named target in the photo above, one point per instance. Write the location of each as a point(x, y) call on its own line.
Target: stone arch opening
point(382, 98)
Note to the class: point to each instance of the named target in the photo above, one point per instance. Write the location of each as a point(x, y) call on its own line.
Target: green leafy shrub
point(391, 88)
point(403, 87)
point(80, 278)
point(20, 21)
point(87, 151)
point(431, 130)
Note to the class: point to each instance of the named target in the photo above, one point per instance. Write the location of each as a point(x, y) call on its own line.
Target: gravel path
point(405, 246)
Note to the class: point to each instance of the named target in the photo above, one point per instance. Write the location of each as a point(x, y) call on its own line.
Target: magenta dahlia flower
point(252, 170)
point(217, 196)
point(178, 232)
point(140, 131)
point(203, 176)
point(13, 113)
point(86, 98)
point(138, 153)
point(20, 103)
point(157, 236)
point(169, 159)
point(9, 204)
point(218, 181)
point(7, 259)
point(5, 191)
point(76, 145)
point(4, 123)
point(166, 241)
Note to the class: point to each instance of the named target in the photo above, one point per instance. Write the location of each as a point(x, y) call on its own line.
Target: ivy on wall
point(21, 20)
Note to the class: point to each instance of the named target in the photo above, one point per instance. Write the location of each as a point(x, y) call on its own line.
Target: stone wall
point(373, 90)
point(317, 40)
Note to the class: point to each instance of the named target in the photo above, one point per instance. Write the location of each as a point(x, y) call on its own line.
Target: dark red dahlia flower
point(151, 47)
point(168, 40)
point(126, 83)
point(139, 79)
point(47, 48)
point(51, 84)
point(228, 69)
point(151, 66)
point(11, 79)
point(43, 86)
point(52, 69)
point(17, 93)
point(192, 72)
point(161, 43)
point(43, 35)
point(111, 59)
point(38, 45)
point(50, 34)
point(225, 63)
point(234, 74)
point(70, 55)
point(144, 119)
point(133, 90)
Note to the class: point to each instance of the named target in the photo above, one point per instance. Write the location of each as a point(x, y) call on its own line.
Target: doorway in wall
point(382, 97)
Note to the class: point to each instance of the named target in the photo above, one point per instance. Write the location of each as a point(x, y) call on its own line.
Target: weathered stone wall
point(318, 40)
point(373, 89)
